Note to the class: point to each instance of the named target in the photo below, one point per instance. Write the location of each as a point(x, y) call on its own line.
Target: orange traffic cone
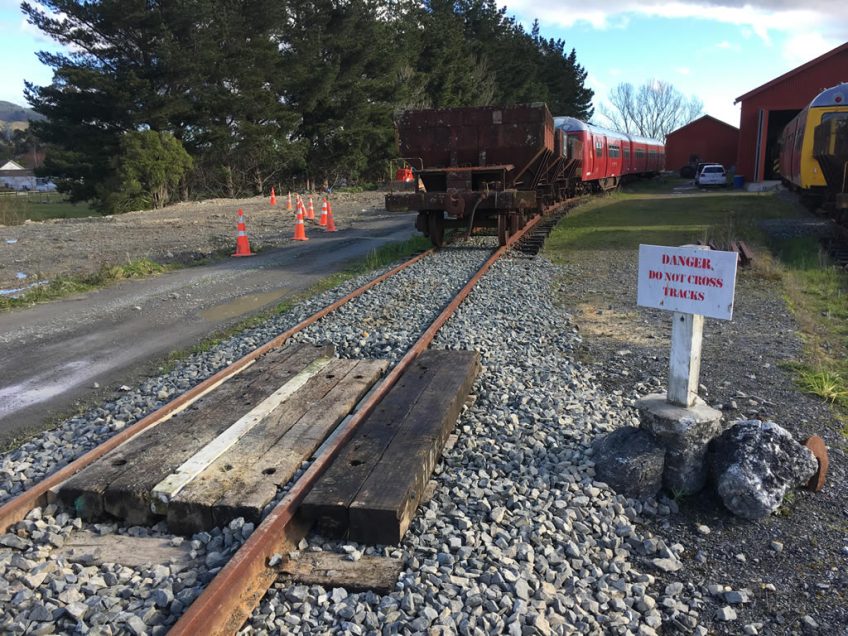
point(273, 197)
point(323, 220)
point(242, 244)
point(289, 203)
point(310, 211)
point(331, 226)
point(299, 228)
point(299, 207)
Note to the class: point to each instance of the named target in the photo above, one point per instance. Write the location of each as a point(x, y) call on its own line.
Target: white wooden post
point(685, 364)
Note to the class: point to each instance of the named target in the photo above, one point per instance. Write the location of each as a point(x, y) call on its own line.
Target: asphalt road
point(52, 355)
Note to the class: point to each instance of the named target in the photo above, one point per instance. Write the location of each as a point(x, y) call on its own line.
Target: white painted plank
point(194, 465)
point(53, 493)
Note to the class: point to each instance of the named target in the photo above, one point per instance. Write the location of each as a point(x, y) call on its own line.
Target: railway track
point(227, 601)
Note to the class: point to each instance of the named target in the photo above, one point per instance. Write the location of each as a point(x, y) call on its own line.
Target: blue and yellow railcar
point(799, 167)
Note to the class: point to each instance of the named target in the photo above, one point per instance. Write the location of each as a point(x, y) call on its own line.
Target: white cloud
point(683, 70)
point(803, 47)
point(758, 17)
point(728, 46)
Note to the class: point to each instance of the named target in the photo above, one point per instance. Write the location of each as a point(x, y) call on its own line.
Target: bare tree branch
point(653, 110)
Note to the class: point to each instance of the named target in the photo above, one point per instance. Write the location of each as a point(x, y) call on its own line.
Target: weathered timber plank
point(281, 462)
point(192, 508)
point(385, 504)
point(84, 491)
point(88, 548)
point(128, 496)
point(154, 453)
point(329, 569)
point(328, 501)
point(197, 463)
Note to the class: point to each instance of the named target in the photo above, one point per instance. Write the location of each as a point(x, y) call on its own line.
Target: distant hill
point(16, 116)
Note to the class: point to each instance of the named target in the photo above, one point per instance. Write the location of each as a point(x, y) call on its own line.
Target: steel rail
point(227, 602)
point(37, 495)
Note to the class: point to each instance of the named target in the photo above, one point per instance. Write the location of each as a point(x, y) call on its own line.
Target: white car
point(711, 174)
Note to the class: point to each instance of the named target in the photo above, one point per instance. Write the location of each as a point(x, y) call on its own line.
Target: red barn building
point(704, 139)
point(767, 109)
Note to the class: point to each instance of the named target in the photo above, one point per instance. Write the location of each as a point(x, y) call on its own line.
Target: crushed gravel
point(518, 537)
point(791, 568)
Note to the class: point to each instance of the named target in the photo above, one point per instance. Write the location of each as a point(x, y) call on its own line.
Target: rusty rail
point(17, 508)
point(227, 602)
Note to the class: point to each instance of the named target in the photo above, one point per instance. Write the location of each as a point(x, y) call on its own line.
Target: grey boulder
point(631, 461)
point(754, 463)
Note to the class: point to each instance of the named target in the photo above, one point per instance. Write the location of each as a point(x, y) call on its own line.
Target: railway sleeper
point(227, 455)
point(373, 487)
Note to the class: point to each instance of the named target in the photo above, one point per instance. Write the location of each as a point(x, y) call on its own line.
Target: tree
point(453, 71)
point(653, 110)
point(148, 171)
point(340, 68)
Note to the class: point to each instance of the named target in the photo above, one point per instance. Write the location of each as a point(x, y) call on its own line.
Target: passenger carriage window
point(599, 149)
point(614, 151)
point(627, 152)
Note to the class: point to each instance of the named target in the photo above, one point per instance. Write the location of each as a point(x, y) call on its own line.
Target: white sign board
point(687, 279)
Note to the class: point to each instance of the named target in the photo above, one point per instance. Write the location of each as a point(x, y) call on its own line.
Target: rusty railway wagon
point(484, 167)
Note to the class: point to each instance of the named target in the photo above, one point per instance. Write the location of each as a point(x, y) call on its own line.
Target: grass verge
point(622, 221)
point(62, 286)
point(817, 293)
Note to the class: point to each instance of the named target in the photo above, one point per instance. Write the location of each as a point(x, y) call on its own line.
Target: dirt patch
point(181, 233)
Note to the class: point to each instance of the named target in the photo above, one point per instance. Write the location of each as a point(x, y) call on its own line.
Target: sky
point(715, 50)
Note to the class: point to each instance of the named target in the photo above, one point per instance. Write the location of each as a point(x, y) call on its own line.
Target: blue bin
point(738, 182)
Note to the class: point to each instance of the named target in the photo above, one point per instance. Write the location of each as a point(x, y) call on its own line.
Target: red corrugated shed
point(774, 102)
point(708, 138)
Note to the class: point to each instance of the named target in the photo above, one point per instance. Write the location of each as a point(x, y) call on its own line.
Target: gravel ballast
point(518, 538)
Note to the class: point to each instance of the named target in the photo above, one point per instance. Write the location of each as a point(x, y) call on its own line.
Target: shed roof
point(704, 117)
point(794, 71)
point(11, 165)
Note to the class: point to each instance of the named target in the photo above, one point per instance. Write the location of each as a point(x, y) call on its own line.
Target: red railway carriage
point(601, 159)
point(607, 155)
point(648, 155)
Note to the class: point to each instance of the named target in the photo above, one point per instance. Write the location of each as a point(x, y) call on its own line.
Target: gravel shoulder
point(181, 233)
point(518, 538)
point(792, 565)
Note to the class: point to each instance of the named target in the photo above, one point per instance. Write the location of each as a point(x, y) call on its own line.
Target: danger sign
point(690, 280)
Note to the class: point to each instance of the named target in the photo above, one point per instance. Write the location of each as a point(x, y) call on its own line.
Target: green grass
point(623, 221)
point(63, 286)
point(39, 206)
point(655, 185)
point(829, 385)
point(817, 293)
